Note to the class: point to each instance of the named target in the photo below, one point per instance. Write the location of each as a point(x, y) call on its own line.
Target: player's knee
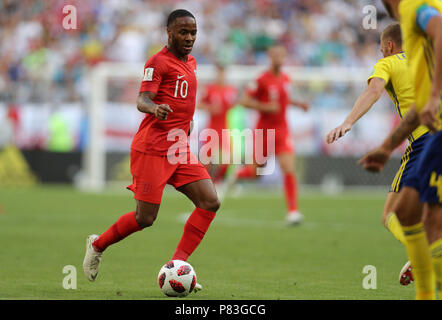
point(401, 213)
point(145, 220)
point(210, 204)
point(406, 216)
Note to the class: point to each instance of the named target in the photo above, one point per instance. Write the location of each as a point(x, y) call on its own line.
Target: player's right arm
point(364, 102)
point(249, 99)
point(252, 103)
point(145, 104)
point(206, 104)
point(376, 159)
point(154, 69)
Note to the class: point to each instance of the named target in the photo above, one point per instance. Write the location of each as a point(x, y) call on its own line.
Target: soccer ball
point(177, 278)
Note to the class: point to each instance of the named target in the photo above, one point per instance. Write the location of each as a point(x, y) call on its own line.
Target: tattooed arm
point(403, 130)
point(376, 159)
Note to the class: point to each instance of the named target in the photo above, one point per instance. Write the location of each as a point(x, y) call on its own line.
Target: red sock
point(291, 191)
point(125, 225)
point(246, 172)
point(194, 231)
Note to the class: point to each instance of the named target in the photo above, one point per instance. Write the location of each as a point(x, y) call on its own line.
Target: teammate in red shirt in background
point(167, 96)
point(218, 98)
point(270, 95)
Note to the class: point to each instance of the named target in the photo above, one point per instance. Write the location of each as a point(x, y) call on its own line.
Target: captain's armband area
point(424, 14)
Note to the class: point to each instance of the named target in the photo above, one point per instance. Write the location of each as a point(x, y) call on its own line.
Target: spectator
point(37, 55)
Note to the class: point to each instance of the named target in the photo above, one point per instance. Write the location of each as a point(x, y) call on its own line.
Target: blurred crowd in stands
point(41, 61)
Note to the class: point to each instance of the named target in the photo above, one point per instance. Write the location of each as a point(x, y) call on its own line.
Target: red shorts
point(282, 143)
point(216, 149)
point(150, 174)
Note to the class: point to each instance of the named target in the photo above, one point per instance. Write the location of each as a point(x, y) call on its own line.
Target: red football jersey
point(174, 83)
point(270, 87)
point(220, 99)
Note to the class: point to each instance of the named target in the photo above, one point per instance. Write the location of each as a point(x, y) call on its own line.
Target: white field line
point(226, 219)
point(251, 191)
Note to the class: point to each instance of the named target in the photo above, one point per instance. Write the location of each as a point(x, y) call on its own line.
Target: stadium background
point(47, 101)
point(45, 83)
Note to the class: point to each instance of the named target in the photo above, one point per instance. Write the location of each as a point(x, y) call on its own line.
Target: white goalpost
point(93, 175)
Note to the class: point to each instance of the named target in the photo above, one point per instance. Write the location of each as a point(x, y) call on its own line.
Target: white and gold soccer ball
point(177, 278)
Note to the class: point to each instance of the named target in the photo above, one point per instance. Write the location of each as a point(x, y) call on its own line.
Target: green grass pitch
point(248, 253)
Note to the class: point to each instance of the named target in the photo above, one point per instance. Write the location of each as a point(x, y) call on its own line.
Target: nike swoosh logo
point(179, 77)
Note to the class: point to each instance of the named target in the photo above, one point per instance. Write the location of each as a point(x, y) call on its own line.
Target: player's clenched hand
point(428, 115)
point(161, 111)
point(375, 160)
point(338, 132)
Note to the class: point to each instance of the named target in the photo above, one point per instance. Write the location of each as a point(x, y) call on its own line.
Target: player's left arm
point(362, 105)
point(300, 104)
point(295, 102)
point(202, 105)
point(204, 102)
point(236, 97)
point(430, 21)
point(213, 108)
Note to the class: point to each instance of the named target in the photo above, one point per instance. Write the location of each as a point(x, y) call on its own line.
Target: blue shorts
point(409, 163)
point(427, 177)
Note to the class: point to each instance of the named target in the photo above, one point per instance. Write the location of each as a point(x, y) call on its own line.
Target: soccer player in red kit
point(270, 95)
point(167, 95)
point(218, 98)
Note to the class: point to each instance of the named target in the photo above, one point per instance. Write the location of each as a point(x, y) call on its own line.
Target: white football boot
point(197, 288)
point(294, 218)
point(92, 259)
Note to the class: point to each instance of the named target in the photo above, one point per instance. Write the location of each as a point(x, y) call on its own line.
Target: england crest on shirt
point(148, 74)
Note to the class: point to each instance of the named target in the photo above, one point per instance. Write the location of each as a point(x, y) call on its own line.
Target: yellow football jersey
point(394, 71)
point(418, 46)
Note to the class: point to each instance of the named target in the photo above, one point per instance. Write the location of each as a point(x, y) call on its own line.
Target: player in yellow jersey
point(421, 24)
point(390, 73)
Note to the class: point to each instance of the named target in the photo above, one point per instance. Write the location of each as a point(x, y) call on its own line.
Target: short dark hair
point(393, 33)
point(179, 13)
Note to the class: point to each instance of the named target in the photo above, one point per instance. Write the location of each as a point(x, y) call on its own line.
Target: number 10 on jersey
point(181, 88)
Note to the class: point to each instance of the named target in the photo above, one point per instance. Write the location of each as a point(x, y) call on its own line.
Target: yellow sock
point(393, 225)
point(436, 258)
point(418, 252)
